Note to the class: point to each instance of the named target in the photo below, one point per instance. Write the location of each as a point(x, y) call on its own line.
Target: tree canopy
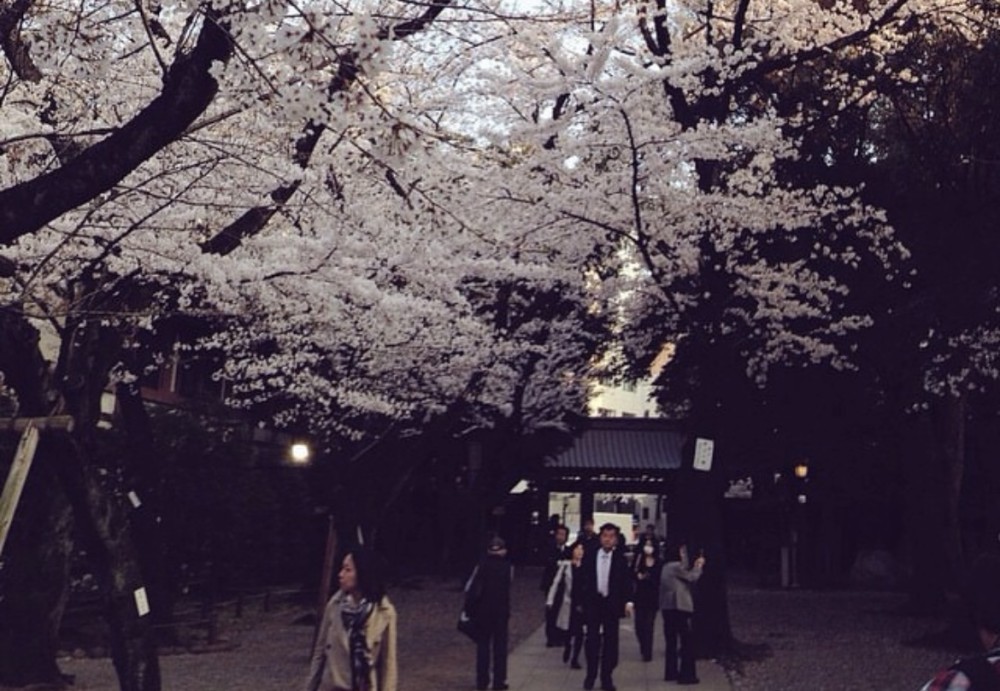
point(384, 213)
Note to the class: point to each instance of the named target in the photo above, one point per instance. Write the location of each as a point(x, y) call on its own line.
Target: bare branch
point(739, 22)
point(150, 36)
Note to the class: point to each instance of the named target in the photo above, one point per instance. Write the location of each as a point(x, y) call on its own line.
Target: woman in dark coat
point(646, 572)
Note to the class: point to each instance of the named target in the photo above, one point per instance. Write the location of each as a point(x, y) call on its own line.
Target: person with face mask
point(646, 574)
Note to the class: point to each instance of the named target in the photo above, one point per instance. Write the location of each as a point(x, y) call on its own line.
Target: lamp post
point(801, 471)
point(299, 454)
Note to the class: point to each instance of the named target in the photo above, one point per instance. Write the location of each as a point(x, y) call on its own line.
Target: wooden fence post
point(18, 475)
point(16, 478)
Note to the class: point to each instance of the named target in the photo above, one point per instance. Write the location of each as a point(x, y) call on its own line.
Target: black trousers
point(645, 622)
point(680, 655)
point(601, 646)
point(492, 643)
point(574, 637)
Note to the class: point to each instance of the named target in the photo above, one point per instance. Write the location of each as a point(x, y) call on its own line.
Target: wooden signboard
point(703, 450)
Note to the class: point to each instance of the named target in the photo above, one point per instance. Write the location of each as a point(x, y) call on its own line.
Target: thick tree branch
point(249, 223)
point(784, 61)
point(188, 90)
point(13, 46)
point(255, 219)
point(634, 187)
point(658, 42)
point(417, 24)
point(739, 22)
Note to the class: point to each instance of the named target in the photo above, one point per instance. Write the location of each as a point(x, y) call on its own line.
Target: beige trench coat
point(331, 662)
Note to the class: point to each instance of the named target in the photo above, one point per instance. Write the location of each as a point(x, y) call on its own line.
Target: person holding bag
point(571, 613)
point(488, 604)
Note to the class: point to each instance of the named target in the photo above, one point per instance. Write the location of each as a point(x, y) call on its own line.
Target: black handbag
point(473, 592)
point(467, 625)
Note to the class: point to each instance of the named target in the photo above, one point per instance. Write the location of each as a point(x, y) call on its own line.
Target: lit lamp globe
point(802, 472)
point(300, 453)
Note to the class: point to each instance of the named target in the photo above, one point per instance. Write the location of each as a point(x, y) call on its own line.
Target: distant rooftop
point(622, 444)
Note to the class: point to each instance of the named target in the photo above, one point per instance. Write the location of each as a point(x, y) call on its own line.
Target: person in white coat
point(570, 617)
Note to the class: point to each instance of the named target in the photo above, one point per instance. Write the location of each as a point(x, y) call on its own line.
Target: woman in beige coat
point(356, 646)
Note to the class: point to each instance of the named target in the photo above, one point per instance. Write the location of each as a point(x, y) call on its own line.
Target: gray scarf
point(354, 615)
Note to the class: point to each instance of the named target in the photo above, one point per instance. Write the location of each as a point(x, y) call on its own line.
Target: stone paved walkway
point(533, 667)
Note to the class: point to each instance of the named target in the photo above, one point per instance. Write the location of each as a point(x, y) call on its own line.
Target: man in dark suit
point(606, 592)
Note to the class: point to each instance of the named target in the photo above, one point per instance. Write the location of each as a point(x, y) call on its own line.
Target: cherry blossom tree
point(678, 130)
point(265, 179)
point(389, 211)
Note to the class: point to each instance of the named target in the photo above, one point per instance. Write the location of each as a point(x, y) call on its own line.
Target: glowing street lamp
point(801, 471)
point(300, 453)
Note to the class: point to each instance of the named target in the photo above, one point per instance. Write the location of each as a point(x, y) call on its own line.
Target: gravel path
point(819, 641)
point(832, 640)
point(271, 651)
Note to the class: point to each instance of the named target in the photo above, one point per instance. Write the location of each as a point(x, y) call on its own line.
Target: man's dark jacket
point(619, 582)
point(490, 590)
point(552, 557)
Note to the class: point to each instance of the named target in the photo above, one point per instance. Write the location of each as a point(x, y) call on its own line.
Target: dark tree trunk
point(101, 511)
point(935, 446)
point(950, 431)
point(99, 494)
point(34, 577)
point(700, 493)
point(698, 522)
point(144, 476)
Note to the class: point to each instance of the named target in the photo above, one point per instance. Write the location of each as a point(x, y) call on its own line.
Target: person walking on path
point(606, 590)
point(646, 572)
point(650, 534)
point(355, 649)
point(981, 672)
point(488, 604)
point(677, 604)
point(588, 537)
point(558, 552)
point(565, 585)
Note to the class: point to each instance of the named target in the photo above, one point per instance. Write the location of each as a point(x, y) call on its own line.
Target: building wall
point(632, 399)
point(622, 401)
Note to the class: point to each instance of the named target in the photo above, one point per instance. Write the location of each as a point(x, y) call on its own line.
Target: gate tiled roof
point(617, 444)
